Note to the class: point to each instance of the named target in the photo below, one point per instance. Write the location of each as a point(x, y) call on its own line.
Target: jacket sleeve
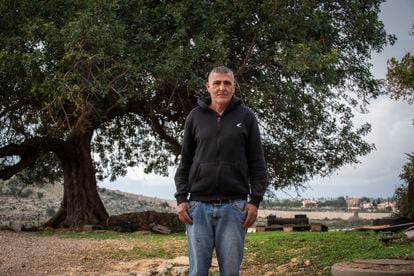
point(256, 163)
point(187, 154)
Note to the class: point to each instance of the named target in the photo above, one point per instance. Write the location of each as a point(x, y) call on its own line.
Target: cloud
point(378, 173)
point(137, 182)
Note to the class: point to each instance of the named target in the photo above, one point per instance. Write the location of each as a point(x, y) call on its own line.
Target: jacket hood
point(204, 102)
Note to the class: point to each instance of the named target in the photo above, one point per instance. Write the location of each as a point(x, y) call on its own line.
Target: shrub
point(164, 204)
point(50, 211)
point(25, 193)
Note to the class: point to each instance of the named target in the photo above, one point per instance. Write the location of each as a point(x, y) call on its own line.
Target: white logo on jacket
point(239, 125)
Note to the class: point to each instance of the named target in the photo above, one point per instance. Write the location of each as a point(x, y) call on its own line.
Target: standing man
point(222, 166)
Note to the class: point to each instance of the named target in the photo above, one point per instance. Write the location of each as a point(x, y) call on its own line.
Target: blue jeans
point(217, 226)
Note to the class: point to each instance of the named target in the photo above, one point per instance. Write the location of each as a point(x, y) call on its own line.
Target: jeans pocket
point(239, 205)
point(193, 204)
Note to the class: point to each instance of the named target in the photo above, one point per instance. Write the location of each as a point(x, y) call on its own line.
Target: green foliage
point(129, 71)
point(400, 77)
point(404, 194)
point(39, 195)
point(14, 186)
point(13, 190)
point(284, 203)
point(339, 202)
point(364, 200)
point(50, 211)
point(25, 193)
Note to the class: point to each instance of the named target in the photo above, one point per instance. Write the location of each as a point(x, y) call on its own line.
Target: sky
point(377, 174)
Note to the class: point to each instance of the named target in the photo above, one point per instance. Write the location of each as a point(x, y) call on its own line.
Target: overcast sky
point(392, 133)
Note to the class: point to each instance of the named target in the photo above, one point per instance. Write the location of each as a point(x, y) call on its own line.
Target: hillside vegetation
point(33, 205)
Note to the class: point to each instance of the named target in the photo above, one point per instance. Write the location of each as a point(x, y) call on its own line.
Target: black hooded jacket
point(222, 156)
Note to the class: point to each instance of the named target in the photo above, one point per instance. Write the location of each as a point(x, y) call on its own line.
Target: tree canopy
point(92, 87)
point(400, 77)
point(400, 82)
point(404, 194)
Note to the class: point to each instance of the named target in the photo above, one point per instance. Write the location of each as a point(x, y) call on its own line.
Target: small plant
point(50, 211)
point(164, 204)
point(13, 190)
point(25, 193)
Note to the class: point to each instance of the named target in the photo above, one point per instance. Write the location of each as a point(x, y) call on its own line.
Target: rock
point(179, 271)
point(141, 221)
point(30, 228)
point(409, 233)
point(161, 229)
point(374, 267)
point(281, 269)
point(294, 262)
point(92, 227)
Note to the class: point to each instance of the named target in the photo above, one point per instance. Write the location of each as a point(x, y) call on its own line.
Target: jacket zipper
point(218, 150)
point(218, 137)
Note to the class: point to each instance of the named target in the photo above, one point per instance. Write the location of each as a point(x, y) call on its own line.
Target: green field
point(286, 253)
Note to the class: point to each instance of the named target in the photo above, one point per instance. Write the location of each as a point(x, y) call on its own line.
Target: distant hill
point(33, 205)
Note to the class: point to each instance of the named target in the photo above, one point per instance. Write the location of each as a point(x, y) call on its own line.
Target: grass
point(144, 245)
point(275, 250)
point(286, 253)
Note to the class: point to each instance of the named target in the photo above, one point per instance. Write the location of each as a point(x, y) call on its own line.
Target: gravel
point(24, 253)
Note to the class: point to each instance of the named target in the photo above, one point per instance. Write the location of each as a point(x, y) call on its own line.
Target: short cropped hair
point(221, 70)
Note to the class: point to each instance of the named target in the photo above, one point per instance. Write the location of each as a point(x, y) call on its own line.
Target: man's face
point(221, 88)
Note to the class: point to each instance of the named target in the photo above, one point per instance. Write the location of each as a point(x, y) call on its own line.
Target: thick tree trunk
point(410, 198)
point(81, 203)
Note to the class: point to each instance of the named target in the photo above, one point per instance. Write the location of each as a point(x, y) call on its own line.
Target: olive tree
point(89, 88)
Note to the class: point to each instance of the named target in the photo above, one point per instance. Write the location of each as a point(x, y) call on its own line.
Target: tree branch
point(248, 53)
point(29, 151)
point(157, 128)
point(25, 161)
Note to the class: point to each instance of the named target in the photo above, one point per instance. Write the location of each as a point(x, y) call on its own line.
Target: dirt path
point(26, 254)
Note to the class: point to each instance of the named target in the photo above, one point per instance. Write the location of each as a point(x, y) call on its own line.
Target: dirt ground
point(26, 254)
point(23, 253)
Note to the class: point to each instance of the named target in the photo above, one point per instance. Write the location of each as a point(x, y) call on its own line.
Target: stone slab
point(374, 267)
